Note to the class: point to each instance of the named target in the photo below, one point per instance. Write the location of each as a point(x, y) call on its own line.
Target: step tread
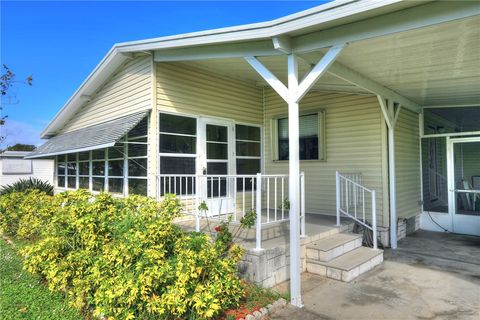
point(351, 259)
point(333, 241)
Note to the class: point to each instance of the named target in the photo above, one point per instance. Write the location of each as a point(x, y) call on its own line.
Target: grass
point(23, 296)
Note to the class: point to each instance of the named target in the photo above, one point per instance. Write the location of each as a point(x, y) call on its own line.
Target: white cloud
point(20, 132)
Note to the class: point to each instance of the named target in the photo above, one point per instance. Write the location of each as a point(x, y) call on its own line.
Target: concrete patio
point(430, 276)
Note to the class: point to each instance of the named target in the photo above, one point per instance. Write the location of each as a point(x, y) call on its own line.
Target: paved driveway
point(430, 276)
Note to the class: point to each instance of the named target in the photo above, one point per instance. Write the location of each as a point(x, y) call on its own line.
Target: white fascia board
point(361, 81)
point(331, 13)
point(219, 51)
point(421, 16)
point(102, 71)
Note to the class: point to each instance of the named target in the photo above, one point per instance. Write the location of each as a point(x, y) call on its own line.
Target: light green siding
point(353, 144)
point(184, 89)
point(127, 91)
point(407, 164)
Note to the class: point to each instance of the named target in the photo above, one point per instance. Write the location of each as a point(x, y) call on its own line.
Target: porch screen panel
point(178, 153)
point(136, 158)
point(248, 152)
point(451, 120)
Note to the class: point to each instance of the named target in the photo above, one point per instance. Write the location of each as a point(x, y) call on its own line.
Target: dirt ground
point(430, 276)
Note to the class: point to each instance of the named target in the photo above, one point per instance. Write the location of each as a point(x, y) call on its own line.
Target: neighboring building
point(391, 90)
point(13, 167)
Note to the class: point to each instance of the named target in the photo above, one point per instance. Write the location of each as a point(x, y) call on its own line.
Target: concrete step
point(333, 246)
point(348, 266)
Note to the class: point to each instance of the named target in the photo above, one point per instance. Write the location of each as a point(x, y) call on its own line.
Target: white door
point(464, 184)
point(216, 165)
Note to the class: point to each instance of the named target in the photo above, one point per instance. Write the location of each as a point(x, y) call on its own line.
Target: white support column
point(153, 133)
point(390, 112)
point(392, 187)
point(294, 179)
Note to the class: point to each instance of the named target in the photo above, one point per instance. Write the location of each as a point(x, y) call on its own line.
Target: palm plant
point(27, 184)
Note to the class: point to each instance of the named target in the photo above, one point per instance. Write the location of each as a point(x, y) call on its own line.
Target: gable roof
point(324, 16)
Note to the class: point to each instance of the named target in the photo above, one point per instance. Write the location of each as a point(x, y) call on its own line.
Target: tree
point(21, 147)
point(7, 80)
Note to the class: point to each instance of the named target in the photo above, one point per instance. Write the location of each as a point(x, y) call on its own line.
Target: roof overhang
point(98, 136)
point(341, 21)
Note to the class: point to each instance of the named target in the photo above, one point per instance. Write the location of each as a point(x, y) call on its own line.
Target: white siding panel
point(353, 143)
point(41, 169)
point(127, 91)
point(184, 89)
point(407, 164)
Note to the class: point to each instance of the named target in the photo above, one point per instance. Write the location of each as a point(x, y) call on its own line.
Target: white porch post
point(294, 181)
point(292, 95)
point(392, 187)
point(390, 113)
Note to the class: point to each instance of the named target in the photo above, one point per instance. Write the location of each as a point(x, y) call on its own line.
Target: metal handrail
point(350, 196)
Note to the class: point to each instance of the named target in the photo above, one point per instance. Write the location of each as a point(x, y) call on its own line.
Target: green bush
point(123, 258)
point(27, 184)
point(23, 214)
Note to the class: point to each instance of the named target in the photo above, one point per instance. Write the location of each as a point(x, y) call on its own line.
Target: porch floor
point(431, 275)
point(275, 234)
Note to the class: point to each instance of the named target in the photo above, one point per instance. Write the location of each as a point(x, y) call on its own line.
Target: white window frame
point(322, 150)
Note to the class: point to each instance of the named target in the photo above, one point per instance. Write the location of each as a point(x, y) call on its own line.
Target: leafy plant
point(123, 258)
point(28, 184)
point(285, 204)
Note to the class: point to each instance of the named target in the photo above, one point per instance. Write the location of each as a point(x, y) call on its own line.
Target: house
point(366, 109)
point(14, 167)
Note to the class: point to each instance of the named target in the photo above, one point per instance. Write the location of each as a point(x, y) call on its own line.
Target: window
point(72, 171)
point(61, 171)
point(136, 160)
point(117, 169)
point(311, 142)
point(248, 152)
point(178, 151)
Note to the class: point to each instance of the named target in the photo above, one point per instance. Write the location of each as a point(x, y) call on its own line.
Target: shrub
point(28, 184)
point(23, 214)
point(124, 258)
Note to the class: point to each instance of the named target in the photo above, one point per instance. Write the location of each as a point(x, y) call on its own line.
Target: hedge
point(123, 258)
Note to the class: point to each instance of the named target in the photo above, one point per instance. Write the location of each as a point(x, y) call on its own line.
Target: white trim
point(451, 106)
point(318, 70)
point(269, 77)
point(451, 135)
point(102, 146)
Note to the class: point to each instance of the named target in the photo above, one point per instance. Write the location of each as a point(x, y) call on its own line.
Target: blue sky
point(61, 42)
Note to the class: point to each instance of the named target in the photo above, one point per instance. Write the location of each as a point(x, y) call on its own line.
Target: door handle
point(204, 171)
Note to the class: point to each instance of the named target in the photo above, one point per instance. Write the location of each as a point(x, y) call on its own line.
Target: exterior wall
point(184, 89)
point(127, 91)
point(407, 165)
point(41, 169)
point(353, 129)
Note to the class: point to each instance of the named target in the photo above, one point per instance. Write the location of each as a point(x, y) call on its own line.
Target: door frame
point(202, 123)
point(452, 199)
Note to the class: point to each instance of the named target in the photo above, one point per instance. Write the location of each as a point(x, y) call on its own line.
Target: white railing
point(355, 201)
point(233, 196)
